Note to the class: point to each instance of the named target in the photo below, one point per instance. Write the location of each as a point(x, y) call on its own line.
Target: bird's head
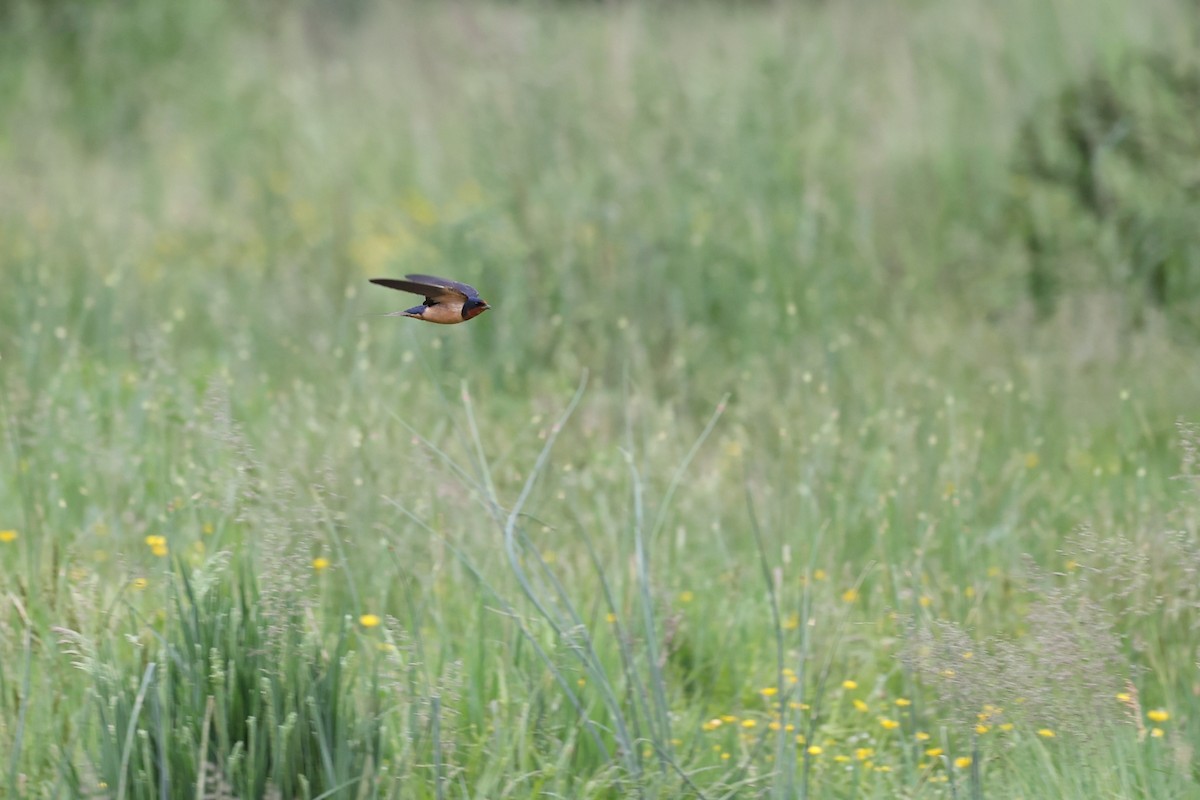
point(473, 308)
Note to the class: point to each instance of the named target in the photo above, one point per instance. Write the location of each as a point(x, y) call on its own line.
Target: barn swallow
point(446, 302)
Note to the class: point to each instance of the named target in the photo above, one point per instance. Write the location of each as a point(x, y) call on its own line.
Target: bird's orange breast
point(443, 314)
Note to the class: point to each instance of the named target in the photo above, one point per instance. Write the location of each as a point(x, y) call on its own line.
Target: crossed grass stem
point(649, 692)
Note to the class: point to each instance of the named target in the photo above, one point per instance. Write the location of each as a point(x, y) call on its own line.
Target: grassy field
point(768, 475)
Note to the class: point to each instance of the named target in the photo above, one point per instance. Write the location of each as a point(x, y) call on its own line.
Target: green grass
point(764, 403)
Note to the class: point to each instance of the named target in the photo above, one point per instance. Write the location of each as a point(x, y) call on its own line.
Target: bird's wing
point(445, 283)
point(434, 290)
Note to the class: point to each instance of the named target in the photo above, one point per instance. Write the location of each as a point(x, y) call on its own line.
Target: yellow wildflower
point(859, 705)
point(934, 752)
point(369, 620)
point(320, 563)
point(1046, 733)
point(903, 702)
point(815, 750)
point(1157, 715)
point(888, 724)
point(8, 536)
point(962, 762)
point(1157, 733)
point(849, 684)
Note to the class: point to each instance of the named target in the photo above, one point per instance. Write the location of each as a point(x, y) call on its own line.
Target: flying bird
point(446, 302)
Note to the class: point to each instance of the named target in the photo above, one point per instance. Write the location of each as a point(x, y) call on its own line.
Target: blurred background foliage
point(746, 179)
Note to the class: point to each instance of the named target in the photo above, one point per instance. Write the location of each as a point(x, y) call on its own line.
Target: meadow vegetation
point(831, 434)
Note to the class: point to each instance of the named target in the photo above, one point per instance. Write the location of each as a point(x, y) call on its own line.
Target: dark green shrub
point(1107, 189)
